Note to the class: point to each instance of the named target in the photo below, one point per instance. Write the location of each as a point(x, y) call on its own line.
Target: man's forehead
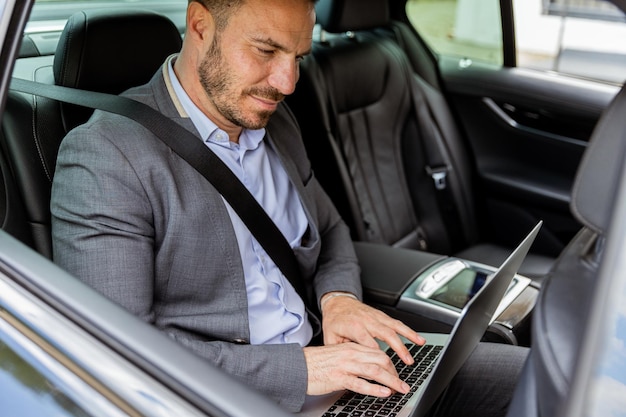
point(278, 23)
point(281, 13)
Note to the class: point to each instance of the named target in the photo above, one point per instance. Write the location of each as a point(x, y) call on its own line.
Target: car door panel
point(527, 131)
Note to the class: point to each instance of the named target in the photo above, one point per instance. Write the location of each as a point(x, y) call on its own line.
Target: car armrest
point(387, 271)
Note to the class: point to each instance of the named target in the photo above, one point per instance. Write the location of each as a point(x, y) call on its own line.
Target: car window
point(467, 29)
point(609, 384)
point(582, 38)
point(50, 15)
point(606, 381)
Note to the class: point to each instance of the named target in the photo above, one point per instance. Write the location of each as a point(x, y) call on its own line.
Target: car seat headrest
point(338, 16)
point(600, 170)
point(111, 51)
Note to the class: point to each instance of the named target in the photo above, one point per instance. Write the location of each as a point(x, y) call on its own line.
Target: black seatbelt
point(189, 147)
point(438, 169)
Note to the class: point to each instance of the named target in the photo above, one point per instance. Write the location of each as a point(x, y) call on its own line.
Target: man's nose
point(284, 76)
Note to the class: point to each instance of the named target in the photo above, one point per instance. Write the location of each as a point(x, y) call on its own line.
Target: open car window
point(582, 38)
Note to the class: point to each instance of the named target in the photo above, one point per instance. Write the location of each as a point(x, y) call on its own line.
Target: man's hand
point(351, 366)
point(347, 319)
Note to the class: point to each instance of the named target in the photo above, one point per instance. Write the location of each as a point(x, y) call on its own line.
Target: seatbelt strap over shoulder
point(199, 156)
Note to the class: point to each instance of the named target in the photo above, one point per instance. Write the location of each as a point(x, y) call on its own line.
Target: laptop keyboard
point(352, 404)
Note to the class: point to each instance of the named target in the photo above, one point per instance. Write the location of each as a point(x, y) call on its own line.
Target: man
point(141, 226)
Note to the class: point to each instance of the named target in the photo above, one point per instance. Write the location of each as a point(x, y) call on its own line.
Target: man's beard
point(218, 82)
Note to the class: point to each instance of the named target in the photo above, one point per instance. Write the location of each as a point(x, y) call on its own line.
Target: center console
point(428, 291)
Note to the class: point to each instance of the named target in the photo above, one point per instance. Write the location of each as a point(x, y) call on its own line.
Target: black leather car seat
point(100, 50)
point(565, 299)
point(383, 141)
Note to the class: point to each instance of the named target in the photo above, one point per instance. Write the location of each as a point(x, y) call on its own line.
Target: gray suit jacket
point(140, 225)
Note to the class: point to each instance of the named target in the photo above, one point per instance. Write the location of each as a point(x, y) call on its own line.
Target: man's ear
point(200, 23)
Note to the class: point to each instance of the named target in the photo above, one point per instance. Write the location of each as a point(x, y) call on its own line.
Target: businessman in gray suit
point(140, 225)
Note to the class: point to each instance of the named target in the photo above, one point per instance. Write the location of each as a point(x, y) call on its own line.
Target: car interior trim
point(500, 113)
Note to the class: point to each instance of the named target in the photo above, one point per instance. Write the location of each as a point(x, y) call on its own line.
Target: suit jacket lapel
point(283, 134)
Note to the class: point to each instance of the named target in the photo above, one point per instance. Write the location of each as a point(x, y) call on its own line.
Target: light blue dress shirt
point(276, 312)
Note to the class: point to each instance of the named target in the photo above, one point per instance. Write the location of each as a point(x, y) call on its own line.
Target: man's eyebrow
point(272, 43)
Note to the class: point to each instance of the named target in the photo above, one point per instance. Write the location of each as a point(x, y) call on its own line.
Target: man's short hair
point(223, 9)
point(220, 9)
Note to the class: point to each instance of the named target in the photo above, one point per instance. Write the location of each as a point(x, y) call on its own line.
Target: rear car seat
point(100, 50)
point(389, 154)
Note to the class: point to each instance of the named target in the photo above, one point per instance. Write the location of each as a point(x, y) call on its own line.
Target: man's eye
point(265, 51)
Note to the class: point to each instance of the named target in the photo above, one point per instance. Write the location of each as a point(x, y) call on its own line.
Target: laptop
point(437, 362)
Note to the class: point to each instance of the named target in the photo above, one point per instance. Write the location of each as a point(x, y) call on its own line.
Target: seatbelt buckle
point(439, 176)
